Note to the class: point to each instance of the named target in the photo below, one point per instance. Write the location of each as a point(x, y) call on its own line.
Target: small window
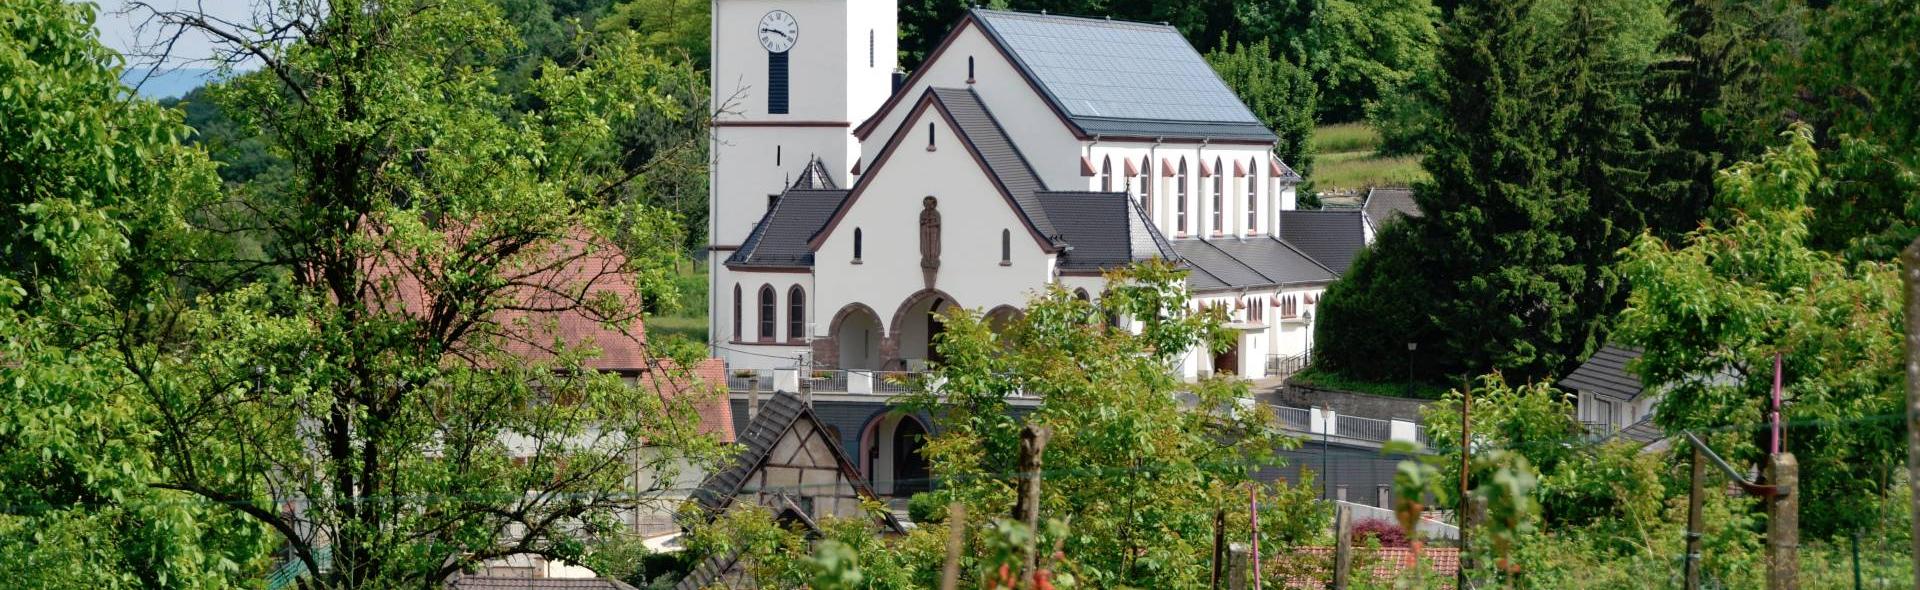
point(1146, 184)
point(1180, 197)
point(1219, 199)
point(1006, 246)
point(856, 244)
point(1106, 174)
point(796, 313)
point(736, 311)
point(870, 49)
point(969, 69)
point(777, 150)
point(929, 136)
point(768, 310)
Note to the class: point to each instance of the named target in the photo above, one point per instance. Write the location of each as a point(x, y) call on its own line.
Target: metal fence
point(1286, 365)
point(1363, 428)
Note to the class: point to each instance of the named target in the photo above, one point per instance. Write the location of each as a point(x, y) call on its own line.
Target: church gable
point(948, 145)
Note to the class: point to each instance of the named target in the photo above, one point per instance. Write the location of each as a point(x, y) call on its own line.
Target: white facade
point(894, 150)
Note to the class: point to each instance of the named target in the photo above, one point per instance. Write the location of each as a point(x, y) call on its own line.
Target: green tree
point(1137, 475)
point(1363, 50)
point(1712, 312)
point(96, 183)
point(383, 384)
point(1280, 94)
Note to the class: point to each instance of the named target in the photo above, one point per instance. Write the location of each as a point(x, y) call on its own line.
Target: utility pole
point(1026, 508)
point(1910, 271)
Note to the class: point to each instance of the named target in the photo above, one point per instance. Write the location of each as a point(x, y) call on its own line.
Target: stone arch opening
point(855, 337)
point(916, 326)
point(890, 454)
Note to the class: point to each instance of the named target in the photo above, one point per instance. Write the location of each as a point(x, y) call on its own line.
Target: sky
point(121, 29)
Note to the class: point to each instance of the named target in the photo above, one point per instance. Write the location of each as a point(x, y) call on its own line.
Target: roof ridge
point(1237, 260)
point(1304, 254)
point(1091, 19)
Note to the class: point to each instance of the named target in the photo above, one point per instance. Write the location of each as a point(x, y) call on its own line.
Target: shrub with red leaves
point(1388, 532)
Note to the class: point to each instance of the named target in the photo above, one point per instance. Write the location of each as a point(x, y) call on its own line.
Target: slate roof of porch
point(1257, 262)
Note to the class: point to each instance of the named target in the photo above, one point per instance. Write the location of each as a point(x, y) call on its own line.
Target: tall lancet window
point(1006, 247)
point(1253, 197)
point(1180, 197)
point(1146, 185)
point(796, 313)
point(1219, 199)
point(768, 311)
point(1106, 174)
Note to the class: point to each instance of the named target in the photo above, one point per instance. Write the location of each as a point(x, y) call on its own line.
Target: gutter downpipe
point(713, 182)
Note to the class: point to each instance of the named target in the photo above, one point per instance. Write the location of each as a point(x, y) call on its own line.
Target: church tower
point(790, 79)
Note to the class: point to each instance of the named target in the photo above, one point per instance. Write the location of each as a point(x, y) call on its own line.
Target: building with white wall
point(1029, 150)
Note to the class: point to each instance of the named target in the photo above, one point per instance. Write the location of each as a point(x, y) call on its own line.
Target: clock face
point(778, 31)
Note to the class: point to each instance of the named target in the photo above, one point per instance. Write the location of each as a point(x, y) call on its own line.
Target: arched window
point(768, 310)
point(929, 136)
point(1253, 197)
point(796, 313)
point(1146, 184)
point(1219, 199)
point(1180, 197)
point(969, 69)
point(1082, 295)
point(856, 245)
point(736, 311)
point(1006, 247)
point(1106, 174)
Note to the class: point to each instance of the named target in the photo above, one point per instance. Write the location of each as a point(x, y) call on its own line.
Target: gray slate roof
point(1105, 230)
point(780, 239)
point(1250, 263)
point(1605, 374)
point(1332, 237)
point(1004, 161)
point(1386, 204)
point(507, 583)
point(1122, 78)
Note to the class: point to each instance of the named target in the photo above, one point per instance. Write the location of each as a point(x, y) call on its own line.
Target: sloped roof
point(814, 176)
point(780, 239)
point(1605, 374)
point(1332, 237)
point(508, 583)
point(1103, 230)
point(1122, 78)
point(1009, 167)
point(1249, 263)
point(708, 380)
point(1386, 204)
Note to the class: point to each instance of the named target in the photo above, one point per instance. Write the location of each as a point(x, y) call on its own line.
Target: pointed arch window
point(1253, 197)
point(769, 310)
point(1106, 174)
point(1219, 198)
point(1180, 197)
point(856, 245)
point(796, 313)
point(1146, 184)
point(736, 312)
point(1006, 247)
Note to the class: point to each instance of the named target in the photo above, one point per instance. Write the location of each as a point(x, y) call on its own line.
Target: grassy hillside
point(1347, 159)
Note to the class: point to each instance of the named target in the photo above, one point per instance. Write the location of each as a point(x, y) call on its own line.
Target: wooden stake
point(1342, 546)
point(1695, 495)
point(1910, 272)
point(1219, 548)
point(956, 537)
point(1237, 569)
point(1026, 509)
point(1783, 524)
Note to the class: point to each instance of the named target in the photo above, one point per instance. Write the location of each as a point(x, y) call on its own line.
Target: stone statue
point(929, 234)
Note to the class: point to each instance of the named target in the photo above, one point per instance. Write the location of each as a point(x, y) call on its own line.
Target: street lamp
point(1411, 346)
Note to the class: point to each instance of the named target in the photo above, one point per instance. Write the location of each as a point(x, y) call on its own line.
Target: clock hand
point(767, 30)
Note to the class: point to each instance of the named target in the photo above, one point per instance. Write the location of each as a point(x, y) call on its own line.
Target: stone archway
point(916, 326)
point(890, 454)
point(855, 339)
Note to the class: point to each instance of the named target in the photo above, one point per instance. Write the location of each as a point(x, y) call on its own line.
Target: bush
point(1384, 531)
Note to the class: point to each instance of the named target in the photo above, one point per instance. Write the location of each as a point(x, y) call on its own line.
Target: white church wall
point(1163, 208)
point(873, 47)
point(973, 215)
point(1046, 141)
point(750, 351)
point(818, 63)
point(752, 163)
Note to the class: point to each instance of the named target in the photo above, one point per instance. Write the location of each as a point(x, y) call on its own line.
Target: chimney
point(899, 80)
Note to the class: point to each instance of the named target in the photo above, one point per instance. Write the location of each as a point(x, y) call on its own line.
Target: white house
point(1029, 150)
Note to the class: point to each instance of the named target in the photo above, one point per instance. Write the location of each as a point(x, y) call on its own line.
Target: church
point(850, 203)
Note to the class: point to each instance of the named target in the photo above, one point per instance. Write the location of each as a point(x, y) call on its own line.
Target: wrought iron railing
point(1286, 365)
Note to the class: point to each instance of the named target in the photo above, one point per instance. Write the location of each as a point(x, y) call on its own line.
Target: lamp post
point(1411, 346)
